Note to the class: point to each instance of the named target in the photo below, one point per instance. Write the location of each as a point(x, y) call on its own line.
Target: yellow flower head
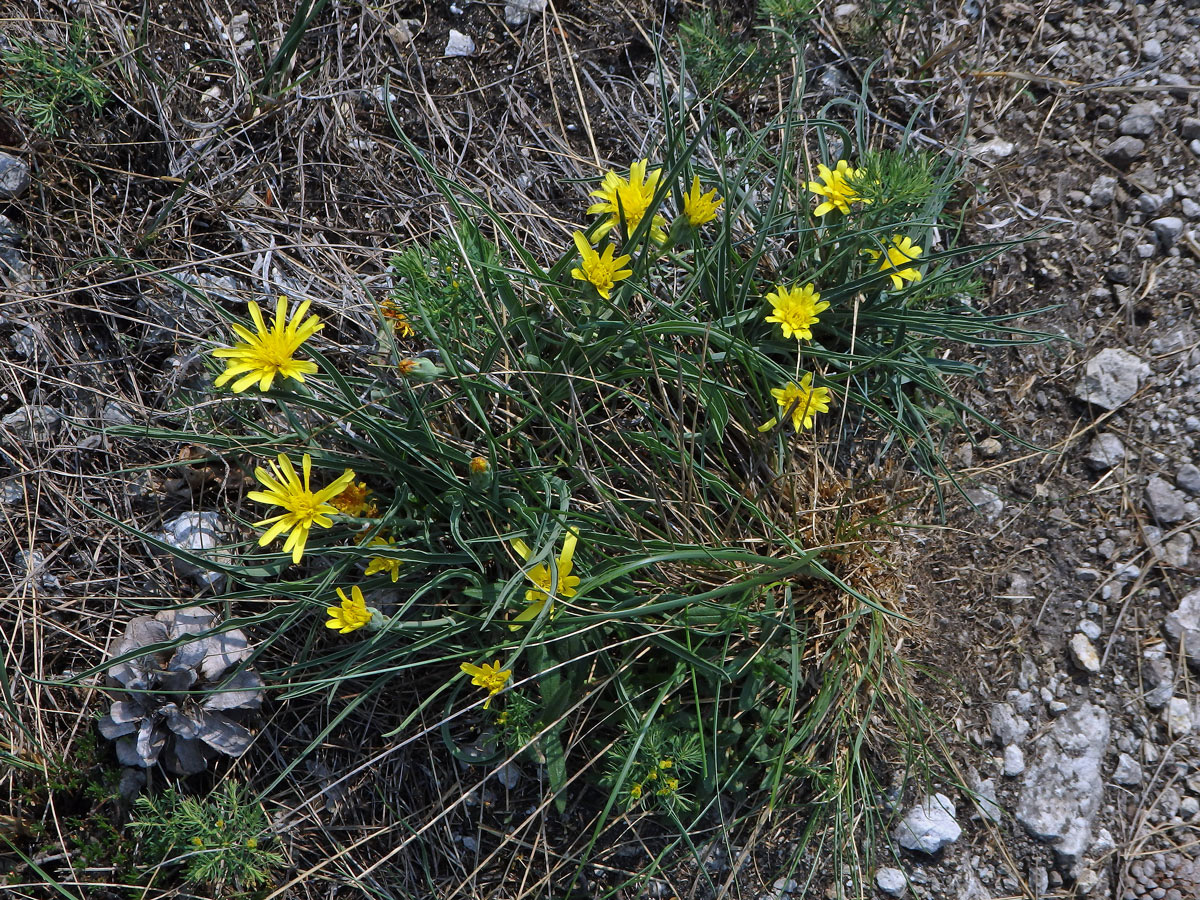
point(353, 500)
point(700, 208)
point(384, 563)
point(665, 763)
point(600, 270)
point(838, 188)
point(399, 319)
point(260, 357)
point(900, 251)
point(352, 614)
point(796, 309)
point(540, 575)
point(629, 198)
point(478, 465)
point(304, 508)
point(489, 676)
point(636, 792)
point(802, 401)
point(670, 786)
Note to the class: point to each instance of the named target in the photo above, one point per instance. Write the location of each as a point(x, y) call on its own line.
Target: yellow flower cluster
point(624, 203)
point(651, 783)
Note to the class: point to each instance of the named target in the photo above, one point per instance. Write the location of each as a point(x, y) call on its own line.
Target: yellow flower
point(628, 198)
point(352, 614)
point(262, 356)
point(665, 763)
point(399, 319)
point(670, 786)
point(304, 508)
point(802, 401)
point(478, 466)
point(537, 596)
point(796, 309)
point(407, 366)
point(700, 208)
point(900, 251)
point(600, 270)
point(384, 563)
point(489, 676)
point(636, 792)
point(837, 189)
point(353, 500)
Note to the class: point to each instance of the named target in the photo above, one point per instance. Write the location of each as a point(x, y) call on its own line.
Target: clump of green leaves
point(653, 767)
point(716, 57)
point(42, 84)
point(438, 285)
point(220, 840)
point(791, 14)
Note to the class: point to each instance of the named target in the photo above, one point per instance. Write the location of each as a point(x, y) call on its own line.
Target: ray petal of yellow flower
point(352, 614)
point(489, 676)
point(544, 582)
point(796, 310)
point(838, 186)
point(600, 270)
point(700, 208)
point(268, 352)
point(629, 199)
point(894, 260)
point(802, 401)
point(302, 507)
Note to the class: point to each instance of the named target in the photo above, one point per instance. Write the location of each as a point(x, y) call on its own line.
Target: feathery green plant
point(43, 85)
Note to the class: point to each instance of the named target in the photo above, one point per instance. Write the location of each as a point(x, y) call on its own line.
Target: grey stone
point(1110, 378)
point(1167, 230)
point(929, 826)
point(517, 12)
point(459, 44)
point(1089, 628)
point(1149, 204)
point(114, 414)
point(14, 176)
point(1119, 273)
point(36, 424)
point(1178, 717)
point(1128, 771)
point(1152, 50)
point(1062, 791)
point(1006, 727)
point(986, 499)
point(10, 234)
point(1145, 250)
point(1177, 551)
point(1124, 150)
point(1103, 190)
point(1189, 128)
point(1188, 478)
point(1136, 124)
point(1190, 208)
point(1179, 82)
point(1183, 626)
point(197, 533)
point(891, 882)
point(1014, 761)
point(1164, 502)
point(1084, 654)
point(12, 492)
point(1158, 674)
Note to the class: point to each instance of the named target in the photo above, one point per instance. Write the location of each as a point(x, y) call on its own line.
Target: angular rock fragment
point(1063, 789)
